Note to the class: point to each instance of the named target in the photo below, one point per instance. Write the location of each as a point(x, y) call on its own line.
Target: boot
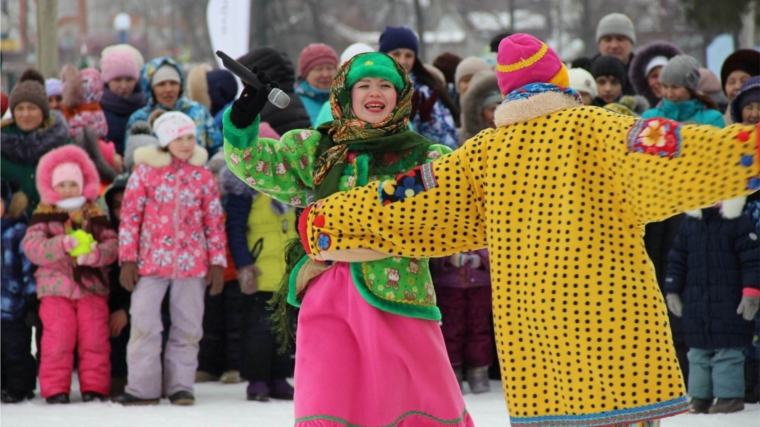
point(61, 398)
point(751, 388)
point(460, 377)
point(14, 396)
point(727, 406)
point(258, 391)
point(477, 378)
point(91, 396)
point(699, 406)
point(182, 398)
point(117, 386)
point(230, 377)
point(127, 399)
point(205, 377)
point(282, 390)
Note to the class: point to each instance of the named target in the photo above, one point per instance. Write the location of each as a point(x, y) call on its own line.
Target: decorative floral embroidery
point(409, 184)
point(656, 136)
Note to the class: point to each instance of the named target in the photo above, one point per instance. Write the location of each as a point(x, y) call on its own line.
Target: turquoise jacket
point(691, 111)
point(313, 99)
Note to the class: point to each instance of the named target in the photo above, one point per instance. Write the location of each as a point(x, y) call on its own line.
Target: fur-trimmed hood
point(147, 75)
point(639, 63)
point(540, 104)
point(66, 154)
point(729, 209)
point(87, 139)
point(197, 85)
point(28, 147)
point(155, 157)
point(482, 84)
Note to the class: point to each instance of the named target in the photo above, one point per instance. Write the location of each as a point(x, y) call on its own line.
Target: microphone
point(277, 97)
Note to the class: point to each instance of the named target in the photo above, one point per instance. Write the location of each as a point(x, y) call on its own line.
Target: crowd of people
point(150, 249)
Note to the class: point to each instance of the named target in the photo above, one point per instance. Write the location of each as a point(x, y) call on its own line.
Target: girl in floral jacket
point(171, 234)
point(72, 275)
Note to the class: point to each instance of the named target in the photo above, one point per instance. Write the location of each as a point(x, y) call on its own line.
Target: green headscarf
point(348, 133)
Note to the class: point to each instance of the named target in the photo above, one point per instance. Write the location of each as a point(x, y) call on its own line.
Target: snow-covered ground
point(225, 405)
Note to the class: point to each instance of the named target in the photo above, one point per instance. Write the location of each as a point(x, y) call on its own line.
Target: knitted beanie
point(172, 125)
point(582, 81)
point(53, 87)
point(314, 55)
point(393, 38)
point(616, 24)
point(709, 82)
point(119, 63)
point(609, 65)
point(164, 73)
point(750, 92)
point(140, 135)
point(747, 60)
point(68, 171)
point(374, 64)
point(448, 62)
point(681, 70)
point(524, 59)
point(222, 89)
point(469, 66)
point(139, 60)
point(354, 50)
point(30, 88)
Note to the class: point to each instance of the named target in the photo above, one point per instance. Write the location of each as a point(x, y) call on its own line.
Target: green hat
point(374, 64)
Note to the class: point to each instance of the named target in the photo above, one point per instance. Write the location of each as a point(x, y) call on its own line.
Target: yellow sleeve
point(664, 167)
point(434, 210)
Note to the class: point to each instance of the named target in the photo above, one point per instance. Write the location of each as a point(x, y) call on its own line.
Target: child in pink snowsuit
point(171, 234)
point(72, 289)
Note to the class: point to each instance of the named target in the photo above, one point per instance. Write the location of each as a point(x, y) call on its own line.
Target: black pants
point(19, 369)
point(119, 353)
point(261, 362)
point(220, 346)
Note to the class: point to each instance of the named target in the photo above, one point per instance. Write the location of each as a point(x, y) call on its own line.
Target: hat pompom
point(30, 74)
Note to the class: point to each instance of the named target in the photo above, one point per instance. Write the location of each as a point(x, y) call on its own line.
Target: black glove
point(32, 319)
point(251, 101)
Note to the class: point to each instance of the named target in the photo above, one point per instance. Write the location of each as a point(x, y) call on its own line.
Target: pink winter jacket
point(172, 223)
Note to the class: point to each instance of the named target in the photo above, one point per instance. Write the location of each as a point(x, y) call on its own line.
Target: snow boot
point(727, 406)
point(127, 399)
point(477, 378)
point(699, 406)
point(282, 390)
point(460, 377)
point(117, 386)
point(258, 391)
point(205, 377)
point(61, 398)
point(91, 396)
point(230, 377)
point(14, 396)
point(182, 398)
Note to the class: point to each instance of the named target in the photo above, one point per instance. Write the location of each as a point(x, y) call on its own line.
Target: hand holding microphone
point(258, 89)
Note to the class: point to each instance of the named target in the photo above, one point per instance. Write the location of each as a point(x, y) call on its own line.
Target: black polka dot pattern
point(561, 202)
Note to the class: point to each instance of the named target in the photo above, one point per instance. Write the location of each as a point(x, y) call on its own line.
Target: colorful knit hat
point(314, 55)
point(374, 64)
point(524, 59)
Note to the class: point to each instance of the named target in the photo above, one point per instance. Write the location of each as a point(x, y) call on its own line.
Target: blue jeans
point(716, 373)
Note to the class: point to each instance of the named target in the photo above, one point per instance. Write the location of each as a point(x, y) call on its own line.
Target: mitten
point(129, 275)
point(674, 304)
point(215, 278)
point(251, 101)
point(90, 259)
point(749, 304)
point(248, 279)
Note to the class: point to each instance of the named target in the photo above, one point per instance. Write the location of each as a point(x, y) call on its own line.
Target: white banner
point(228, 26)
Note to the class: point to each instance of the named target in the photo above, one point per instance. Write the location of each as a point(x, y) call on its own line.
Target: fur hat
point(354, 50)
point(119, 63)
point(582, 81)
point(314, 55)
point(524, 59)
point(616, 24)
point(140, 135)
point(448, 62)
point(469, 66)
point(50, 162)
point(172, 125)
point(747, 60)
point(750, 92)
point(393, 38)
point(681, 70)
point(30, 88)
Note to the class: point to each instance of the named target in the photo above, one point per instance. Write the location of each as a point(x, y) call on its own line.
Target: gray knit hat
point(616, 24)
point(681, 70)
point(140, 135)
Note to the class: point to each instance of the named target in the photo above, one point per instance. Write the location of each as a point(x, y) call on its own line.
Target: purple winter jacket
point(445, 274)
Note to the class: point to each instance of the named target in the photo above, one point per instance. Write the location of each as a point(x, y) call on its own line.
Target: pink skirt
point(359, 366)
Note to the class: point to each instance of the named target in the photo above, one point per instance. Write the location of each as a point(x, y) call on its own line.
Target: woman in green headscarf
point(369, 347)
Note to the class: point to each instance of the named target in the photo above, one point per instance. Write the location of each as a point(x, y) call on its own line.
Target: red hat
point(314, 55)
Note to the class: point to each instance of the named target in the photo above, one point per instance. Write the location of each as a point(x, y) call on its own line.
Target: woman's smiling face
point(373, 99)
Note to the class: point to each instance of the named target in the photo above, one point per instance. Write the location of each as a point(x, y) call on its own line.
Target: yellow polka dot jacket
point(559, 194)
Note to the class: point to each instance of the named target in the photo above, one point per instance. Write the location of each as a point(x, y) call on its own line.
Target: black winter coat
point(714, 257)
point(659, 238)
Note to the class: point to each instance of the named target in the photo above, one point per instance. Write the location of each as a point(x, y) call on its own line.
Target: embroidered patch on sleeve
point(409, 184)
point(657, 136)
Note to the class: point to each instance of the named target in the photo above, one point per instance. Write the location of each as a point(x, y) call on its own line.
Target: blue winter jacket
point(712, 260)
point(691, 111)
point(208, 136)
point(17, 275)
point(313, 99)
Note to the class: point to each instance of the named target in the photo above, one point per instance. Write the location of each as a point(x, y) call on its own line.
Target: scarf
point(28, 147)
point(373, 140)
point(531, 89)
point(122, 106)
point(70, 113)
